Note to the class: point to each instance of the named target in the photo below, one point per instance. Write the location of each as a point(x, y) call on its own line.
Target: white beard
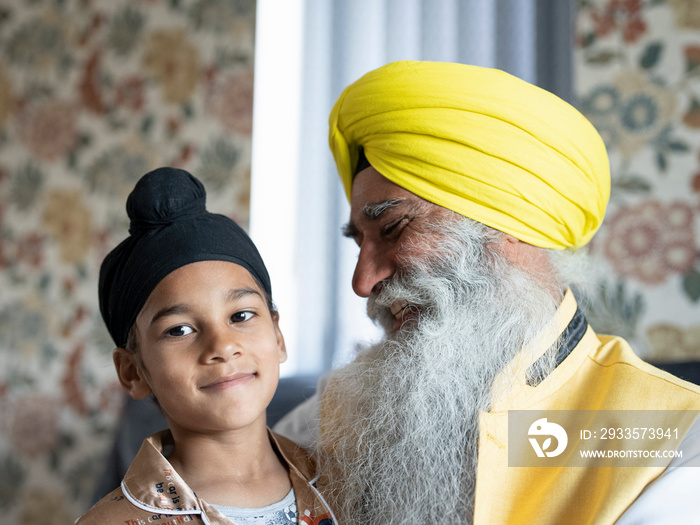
point(401, 444)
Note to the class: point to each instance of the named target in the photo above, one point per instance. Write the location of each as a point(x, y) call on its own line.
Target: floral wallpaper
point(93, 94)
point(637, 66)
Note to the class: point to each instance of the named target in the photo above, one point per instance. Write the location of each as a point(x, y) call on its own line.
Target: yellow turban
point(480, 142)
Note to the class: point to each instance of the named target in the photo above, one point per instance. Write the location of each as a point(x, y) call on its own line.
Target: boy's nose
point(221, 345)
point(372, 268)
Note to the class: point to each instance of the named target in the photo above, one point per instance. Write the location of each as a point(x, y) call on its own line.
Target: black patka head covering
point(170, 228)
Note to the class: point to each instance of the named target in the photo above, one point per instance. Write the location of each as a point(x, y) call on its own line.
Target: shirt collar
point(151, 483)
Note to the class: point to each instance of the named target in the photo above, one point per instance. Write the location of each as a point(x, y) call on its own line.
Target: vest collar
point(522, 380)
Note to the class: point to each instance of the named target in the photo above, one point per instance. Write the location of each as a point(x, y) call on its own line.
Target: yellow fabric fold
point(480, 142)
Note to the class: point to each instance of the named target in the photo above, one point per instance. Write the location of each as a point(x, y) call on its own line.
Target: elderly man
point(470, 192)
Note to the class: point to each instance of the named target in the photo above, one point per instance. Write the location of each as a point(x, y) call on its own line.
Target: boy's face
point(209, 349)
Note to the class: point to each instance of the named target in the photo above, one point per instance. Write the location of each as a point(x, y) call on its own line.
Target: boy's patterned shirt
point(152, 492)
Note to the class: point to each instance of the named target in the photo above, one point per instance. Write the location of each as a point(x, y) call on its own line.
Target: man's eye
point(179, 331)
point(394, 227)
point(240, 317)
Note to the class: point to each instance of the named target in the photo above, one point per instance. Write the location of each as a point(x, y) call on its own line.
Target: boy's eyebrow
point(170, 310)
point(371, 212)
point(182, 308)
point(238, 293)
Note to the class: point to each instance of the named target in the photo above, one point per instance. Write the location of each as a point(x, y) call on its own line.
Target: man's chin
point(404, 325)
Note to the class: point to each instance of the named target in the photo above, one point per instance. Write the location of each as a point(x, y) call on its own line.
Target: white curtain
point(340, 41)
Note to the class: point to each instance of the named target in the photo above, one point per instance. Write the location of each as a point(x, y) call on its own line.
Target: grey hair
point(576, 269)
point(572, 268)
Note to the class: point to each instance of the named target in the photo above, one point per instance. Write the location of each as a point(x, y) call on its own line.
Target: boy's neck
point(236, 469)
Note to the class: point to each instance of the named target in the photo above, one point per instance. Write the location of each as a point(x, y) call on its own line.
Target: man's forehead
point(371, 188)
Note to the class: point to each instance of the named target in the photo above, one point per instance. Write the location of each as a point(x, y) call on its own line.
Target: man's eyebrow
point(349, 230)
point(374, 211)
point(371, 212)
point(183, 308)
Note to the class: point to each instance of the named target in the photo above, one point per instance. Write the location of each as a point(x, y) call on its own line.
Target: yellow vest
point(600, 373)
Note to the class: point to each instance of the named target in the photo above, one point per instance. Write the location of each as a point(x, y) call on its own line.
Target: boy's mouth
point(231, 381)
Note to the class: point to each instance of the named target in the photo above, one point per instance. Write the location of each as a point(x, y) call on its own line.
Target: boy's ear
point(281, 348)
point(131, 375)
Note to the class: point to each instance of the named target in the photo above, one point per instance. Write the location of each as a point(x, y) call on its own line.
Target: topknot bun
point(163, 196)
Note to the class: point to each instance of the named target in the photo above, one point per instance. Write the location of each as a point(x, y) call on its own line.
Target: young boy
point(187, 300)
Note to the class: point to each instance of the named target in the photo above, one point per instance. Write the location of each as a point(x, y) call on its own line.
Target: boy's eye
point(240, 317)
point(179, 330)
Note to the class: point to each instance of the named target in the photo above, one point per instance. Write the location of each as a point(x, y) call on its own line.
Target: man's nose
point(373, 267)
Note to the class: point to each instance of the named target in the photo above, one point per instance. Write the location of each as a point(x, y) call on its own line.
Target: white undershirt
point(283, 512)
point(672, 497)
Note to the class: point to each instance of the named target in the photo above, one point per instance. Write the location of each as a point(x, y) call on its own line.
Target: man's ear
point(131, 374)
point(532, 260)
point(509, 246)
point(281, 348)
point(528, 257)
